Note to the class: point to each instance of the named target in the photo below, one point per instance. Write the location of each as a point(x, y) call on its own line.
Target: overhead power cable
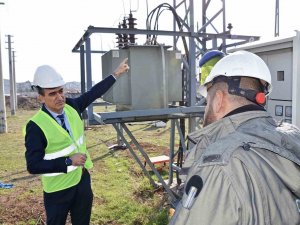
point(156, 13)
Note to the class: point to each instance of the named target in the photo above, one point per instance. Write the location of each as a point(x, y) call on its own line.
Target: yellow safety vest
point(61, 144)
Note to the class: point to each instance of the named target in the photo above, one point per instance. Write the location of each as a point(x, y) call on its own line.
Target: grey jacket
point(250, 168)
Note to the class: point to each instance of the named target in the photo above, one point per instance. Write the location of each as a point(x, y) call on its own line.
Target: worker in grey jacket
point(244, 168)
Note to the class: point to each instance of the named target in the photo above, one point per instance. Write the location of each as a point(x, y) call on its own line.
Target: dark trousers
point(77, 200)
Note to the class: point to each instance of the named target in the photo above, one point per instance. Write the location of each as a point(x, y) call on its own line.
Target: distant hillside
point(24, 87)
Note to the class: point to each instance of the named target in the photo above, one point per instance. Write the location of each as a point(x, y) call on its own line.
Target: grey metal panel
point(173, 59)
point(120, 92)
point(146, 78)
point(154, 78)
point(280, 60)
point(106, 70)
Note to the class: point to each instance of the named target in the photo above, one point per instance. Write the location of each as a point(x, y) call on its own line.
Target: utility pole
point(3, 121)
point(14, 76)
point(11, 79)
point(276, 34)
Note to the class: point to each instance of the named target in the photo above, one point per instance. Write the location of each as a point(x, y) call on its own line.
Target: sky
point(45, 31)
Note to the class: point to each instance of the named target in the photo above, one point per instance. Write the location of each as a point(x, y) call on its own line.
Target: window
point(280, 75)
point(278, 110)
point(288, 111)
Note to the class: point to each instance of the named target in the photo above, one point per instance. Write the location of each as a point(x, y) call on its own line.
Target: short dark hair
point(39, 90)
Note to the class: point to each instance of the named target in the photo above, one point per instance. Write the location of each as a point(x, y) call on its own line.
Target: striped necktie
point(62, 120)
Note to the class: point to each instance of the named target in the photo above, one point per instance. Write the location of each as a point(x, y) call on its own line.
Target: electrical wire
point(155, 13)
point(147, 6)
point(147, 23)
point(137, 8)
point(124, 7)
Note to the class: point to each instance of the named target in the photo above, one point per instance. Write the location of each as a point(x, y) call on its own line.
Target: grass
point(122, 193)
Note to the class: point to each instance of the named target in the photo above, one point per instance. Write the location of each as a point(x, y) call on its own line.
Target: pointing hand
point(122, 68)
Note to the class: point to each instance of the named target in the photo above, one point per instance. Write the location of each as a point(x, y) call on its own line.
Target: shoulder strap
point(220, 152)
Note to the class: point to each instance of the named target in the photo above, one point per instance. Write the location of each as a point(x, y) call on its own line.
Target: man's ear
point(41, 99)
point(218, 101)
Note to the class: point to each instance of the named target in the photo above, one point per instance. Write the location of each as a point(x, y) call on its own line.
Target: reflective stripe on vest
point(65, 151)
point(70, 168)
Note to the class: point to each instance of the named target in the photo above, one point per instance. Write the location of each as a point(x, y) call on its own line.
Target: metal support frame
point(146, 157)
point(82, 69)
point(108, 30)
point(89, 83)
point(172, 153)
point(200, 37)
point(119, 120)
point(149, 114)
point(191, 96)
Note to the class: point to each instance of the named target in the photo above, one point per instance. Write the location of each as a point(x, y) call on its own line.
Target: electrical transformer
point(283, 59)
point(153, 81)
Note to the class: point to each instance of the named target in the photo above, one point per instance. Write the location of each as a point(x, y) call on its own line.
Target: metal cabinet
point(154, 78)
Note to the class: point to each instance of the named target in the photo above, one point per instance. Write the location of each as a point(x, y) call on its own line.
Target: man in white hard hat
point(56, 147)
point(244, 168)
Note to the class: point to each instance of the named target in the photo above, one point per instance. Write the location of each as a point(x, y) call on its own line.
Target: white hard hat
point(46, 77)
point(241, 64)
